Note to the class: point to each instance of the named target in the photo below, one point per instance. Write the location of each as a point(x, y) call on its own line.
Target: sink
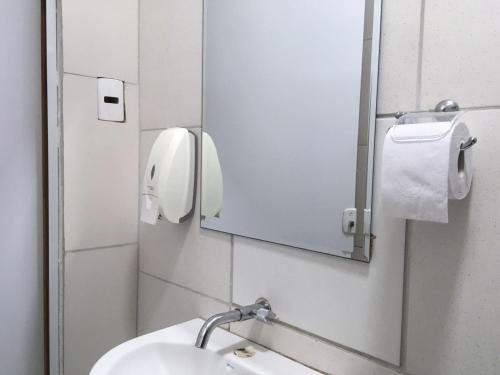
point(171, 351)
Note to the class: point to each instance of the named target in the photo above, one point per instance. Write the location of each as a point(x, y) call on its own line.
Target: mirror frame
point(366, 131)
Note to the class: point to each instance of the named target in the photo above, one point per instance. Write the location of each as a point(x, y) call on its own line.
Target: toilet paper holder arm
point(445, 108)
point(471, 142)
point(446, 105)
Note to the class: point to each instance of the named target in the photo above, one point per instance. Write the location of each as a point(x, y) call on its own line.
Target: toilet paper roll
point(423, 167)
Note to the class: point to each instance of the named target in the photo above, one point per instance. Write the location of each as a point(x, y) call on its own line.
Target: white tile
point(100, 169)
point(399, 48)
point(100, 38)
point(352, 303)
point(453, 272)
point(184, 253)
point(461, 50)
point(162, 304)
point(308, 350)
point(100, 296)
point(170, 63)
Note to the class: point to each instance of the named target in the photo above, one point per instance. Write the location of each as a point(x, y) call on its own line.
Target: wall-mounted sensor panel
point(168, 187)
point(110, 100)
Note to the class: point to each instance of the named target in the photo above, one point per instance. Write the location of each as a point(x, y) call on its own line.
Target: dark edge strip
point(45, 182)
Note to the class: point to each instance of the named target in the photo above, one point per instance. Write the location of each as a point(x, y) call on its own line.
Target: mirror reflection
point(286, 109)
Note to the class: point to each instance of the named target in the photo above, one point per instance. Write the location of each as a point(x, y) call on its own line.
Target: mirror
point(288, 121)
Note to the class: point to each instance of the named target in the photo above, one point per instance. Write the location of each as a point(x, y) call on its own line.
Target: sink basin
point(171, 351)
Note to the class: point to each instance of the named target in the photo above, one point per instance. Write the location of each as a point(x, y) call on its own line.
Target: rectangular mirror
point(289, 92)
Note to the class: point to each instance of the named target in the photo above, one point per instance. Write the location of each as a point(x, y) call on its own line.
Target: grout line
point(418, 101)
point(185, 288)
point(294, 359)
point(94, 77)
point(138, 225)
point(480, 108)
point(167, 127)
point(139, 142)
point(473, 108)
point(152, 130)
point(99, 247)
point(231, 276)
point(62, 237)
point(405, 306)
point(387, 366)
point(138, 42)
point(231, 272)
point(332, 343)
point(202, 58)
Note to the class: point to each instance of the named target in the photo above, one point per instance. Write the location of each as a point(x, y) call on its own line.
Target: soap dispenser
point(168, 189)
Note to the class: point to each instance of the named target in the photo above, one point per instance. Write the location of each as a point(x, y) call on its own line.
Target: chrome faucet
point(260, 310)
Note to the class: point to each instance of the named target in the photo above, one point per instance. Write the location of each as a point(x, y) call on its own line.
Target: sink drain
point(246, 352)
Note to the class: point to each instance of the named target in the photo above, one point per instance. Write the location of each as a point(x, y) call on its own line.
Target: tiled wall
point(184, 270)
point(197, 272)
point(430, 50)
point(100, 181)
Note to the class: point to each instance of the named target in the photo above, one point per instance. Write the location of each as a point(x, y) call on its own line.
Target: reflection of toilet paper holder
point(446, 110)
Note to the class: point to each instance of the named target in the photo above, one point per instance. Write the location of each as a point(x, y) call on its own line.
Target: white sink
point(171, 351)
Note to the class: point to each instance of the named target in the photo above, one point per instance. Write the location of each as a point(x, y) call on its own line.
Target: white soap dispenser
point(168, 187)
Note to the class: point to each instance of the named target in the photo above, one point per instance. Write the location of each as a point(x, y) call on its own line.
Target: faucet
point(260, 310)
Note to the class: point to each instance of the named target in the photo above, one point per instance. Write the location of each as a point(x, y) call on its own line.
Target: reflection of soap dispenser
point(168, 188)
point(211, 179)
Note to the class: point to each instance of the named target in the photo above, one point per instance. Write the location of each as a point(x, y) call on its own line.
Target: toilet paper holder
point(471, 142)
point(445, 110)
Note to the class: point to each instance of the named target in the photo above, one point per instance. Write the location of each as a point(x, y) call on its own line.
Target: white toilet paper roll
point(423, 167)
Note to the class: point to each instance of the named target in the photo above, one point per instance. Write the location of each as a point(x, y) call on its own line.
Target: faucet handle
point(260, 310)
point(265, 315)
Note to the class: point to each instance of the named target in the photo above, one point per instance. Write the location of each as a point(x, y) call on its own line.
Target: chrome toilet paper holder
point(445, 110)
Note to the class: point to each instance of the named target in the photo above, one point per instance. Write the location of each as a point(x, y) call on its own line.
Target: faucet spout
point(212, 323)
point(261, 310)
